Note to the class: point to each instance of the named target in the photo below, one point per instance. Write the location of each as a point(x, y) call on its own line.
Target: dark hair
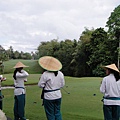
point(56, 72)
point(15, 71)
point(116, 74)
point(14, 75)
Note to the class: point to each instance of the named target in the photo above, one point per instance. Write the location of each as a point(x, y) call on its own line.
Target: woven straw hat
point(19, 65)
point(112, 66)
point(2, 115)
point(50, 63)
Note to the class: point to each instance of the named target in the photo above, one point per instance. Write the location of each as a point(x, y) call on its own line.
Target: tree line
point(95, 48)
point(83, 57)
point(11, 54)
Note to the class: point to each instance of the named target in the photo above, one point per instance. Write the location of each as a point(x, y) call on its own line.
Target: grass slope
point(32, 69)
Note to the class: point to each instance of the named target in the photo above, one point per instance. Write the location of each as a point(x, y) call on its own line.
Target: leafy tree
point(10, 52)
point(65, 53)
point(35, 55)
point(48, 48)
point(113, 25)
point(27, 56)
point(81, 55)
point(100, 54)
point(3, 54)
point(113, 21)
point(16, 55)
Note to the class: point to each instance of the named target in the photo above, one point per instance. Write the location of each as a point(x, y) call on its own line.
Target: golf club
point(66, 91)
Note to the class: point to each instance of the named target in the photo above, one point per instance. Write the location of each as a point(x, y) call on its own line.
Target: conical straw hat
point(112, 66)
point(2, 115)
point(50, 63)
point(19, 65)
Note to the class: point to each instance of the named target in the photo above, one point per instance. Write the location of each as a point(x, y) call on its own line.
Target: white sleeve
point(23, 74)
point(62, 80)
point(118, 85)
point(103, 86)
point(41, 82)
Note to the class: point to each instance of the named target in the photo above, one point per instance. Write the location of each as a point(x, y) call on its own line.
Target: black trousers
point(1, 100)
point(111, 112)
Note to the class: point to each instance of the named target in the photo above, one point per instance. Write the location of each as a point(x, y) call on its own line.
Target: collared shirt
point(19, 82)
point(110, 88)
point(52, 82)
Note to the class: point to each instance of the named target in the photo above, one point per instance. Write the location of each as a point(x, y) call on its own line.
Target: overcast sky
point(26, 23)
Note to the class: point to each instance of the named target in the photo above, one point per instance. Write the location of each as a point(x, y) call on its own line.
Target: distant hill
point(34, 67)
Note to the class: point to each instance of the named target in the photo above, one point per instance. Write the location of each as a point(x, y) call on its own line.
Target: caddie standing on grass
point(20, 76)
point(110, 87)
point(1, 96)
point(51, 80)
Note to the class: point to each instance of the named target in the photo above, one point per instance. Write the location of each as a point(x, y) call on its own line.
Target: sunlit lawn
point(80, 104)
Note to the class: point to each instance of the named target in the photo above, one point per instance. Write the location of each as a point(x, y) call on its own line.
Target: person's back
point(53, 83)
point(112, 86)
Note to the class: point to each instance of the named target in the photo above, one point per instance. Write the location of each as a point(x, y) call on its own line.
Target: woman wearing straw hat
point(110, 87)
point(51, 80)
point(20, 76)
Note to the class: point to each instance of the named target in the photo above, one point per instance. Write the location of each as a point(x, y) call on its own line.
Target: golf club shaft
point(66, 91)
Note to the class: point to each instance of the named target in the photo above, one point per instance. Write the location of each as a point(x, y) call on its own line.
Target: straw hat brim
point(50, 63)
point(19, 65)
point(2, 115)
point(111, 66)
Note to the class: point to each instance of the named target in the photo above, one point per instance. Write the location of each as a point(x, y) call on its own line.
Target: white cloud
point(28, 22)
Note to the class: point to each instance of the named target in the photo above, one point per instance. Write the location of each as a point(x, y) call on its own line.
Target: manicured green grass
point(80, 104)
point(33, 68)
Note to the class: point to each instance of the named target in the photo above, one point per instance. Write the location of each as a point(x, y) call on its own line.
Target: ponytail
point(14, 75)
point(116, 74)
point(56, 72)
